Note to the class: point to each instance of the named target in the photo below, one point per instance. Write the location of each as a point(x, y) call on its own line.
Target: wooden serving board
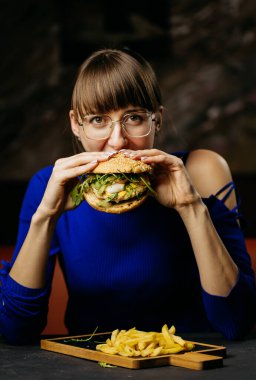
point(203, 356)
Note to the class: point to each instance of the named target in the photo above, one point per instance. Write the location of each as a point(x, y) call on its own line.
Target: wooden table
point(23, 362)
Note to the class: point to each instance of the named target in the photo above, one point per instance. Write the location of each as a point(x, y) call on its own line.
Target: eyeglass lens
point(99, 127)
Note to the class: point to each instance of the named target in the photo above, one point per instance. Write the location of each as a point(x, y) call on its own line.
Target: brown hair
point(114, 78)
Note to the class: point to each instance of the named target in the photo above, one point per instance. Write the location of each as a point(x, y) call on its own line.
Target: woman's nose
point(117, 139)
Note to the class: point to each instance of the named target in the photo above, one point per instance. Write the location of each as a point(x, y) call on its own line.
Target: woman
point(179, 258)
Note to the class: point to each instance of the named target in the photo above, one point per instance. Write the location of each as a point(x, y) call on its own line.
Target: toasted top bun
point(121, 164)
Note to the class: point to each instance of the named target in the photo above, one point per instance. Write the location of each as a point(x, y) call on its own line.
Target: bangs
point(112, 80)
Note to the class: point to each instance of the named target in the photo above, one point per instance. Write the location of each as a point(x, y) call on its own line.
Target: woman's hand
point(64, 177)
point(172, 184)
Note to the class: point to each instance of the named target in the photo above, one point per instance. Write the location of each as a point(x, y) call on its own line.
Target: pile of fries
point(145, 344)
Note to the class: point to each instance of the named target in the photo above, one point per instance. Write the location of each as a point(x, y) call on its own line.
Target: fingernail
point(94, 162)
point(130, 154)
point(107, 154)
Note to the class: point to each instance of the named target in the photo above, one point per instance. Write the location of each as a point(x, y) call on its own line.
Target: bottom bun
point(117, 208)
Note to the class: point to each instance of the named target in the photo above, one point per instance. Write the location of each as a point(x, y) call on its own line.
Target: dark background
point(203, 52)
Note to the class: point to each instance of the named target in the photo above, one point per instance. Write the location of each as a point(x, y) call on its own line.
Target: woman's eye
point(134, 118)
point(96, 120)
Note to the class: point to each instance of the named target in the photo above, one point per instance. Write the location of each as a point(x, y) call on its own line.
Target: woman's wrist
point(43, 215)
point(193, 211)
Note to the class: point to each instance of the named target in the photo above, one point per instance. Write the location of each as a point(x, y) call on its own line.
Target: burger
point(115, 186)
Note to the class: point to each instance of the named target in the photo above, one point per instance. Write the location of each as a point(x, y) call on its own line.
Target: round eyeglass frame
point(113, 122)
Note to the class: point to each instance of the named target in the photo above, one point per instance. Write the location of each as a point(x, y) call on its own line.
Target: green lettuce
point(101, 181)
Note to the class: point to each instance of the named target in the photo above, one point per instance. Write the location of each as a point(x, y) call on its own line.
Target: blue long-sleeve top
point(135, 269)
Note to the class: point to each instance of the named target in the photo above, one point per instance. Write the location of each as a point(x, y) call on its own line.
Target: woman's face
point(118, 138)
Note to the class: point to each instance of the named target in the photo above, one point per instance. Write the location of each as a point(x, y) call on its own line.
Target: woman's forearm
point(29, 268)
point(218, 272)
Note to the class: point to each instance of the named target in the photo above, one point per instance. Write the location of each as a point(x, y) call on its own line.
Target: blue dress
point(135, 269)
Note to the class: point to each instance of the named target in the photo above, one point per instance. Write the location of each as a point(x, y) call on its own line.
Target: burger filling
point(113, 188)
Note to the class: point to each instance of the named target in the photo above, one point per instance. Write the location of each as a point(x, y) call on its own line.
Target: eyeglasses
point(135, 124)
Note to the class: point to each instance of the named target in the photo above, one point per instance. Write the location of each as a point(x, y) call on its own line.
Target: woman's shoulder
point(209, 173)
point(201, 159)
point(207, 162)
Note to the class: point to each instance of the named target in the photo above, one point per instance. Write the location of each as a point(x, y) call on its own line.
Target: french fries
point(135, 343)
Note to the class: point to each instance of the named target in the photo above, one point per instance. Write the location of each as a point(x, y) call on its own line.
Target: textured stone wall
point(210, 85)
point(203, 52)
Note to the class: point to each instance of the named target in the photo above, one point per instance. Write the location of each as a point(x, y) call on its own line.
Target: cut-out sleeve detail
point(227, 190)
point(235, 314)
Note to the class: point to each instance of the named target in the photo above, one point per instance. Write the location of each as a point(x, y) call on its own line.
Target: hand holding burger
point(117, 185)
